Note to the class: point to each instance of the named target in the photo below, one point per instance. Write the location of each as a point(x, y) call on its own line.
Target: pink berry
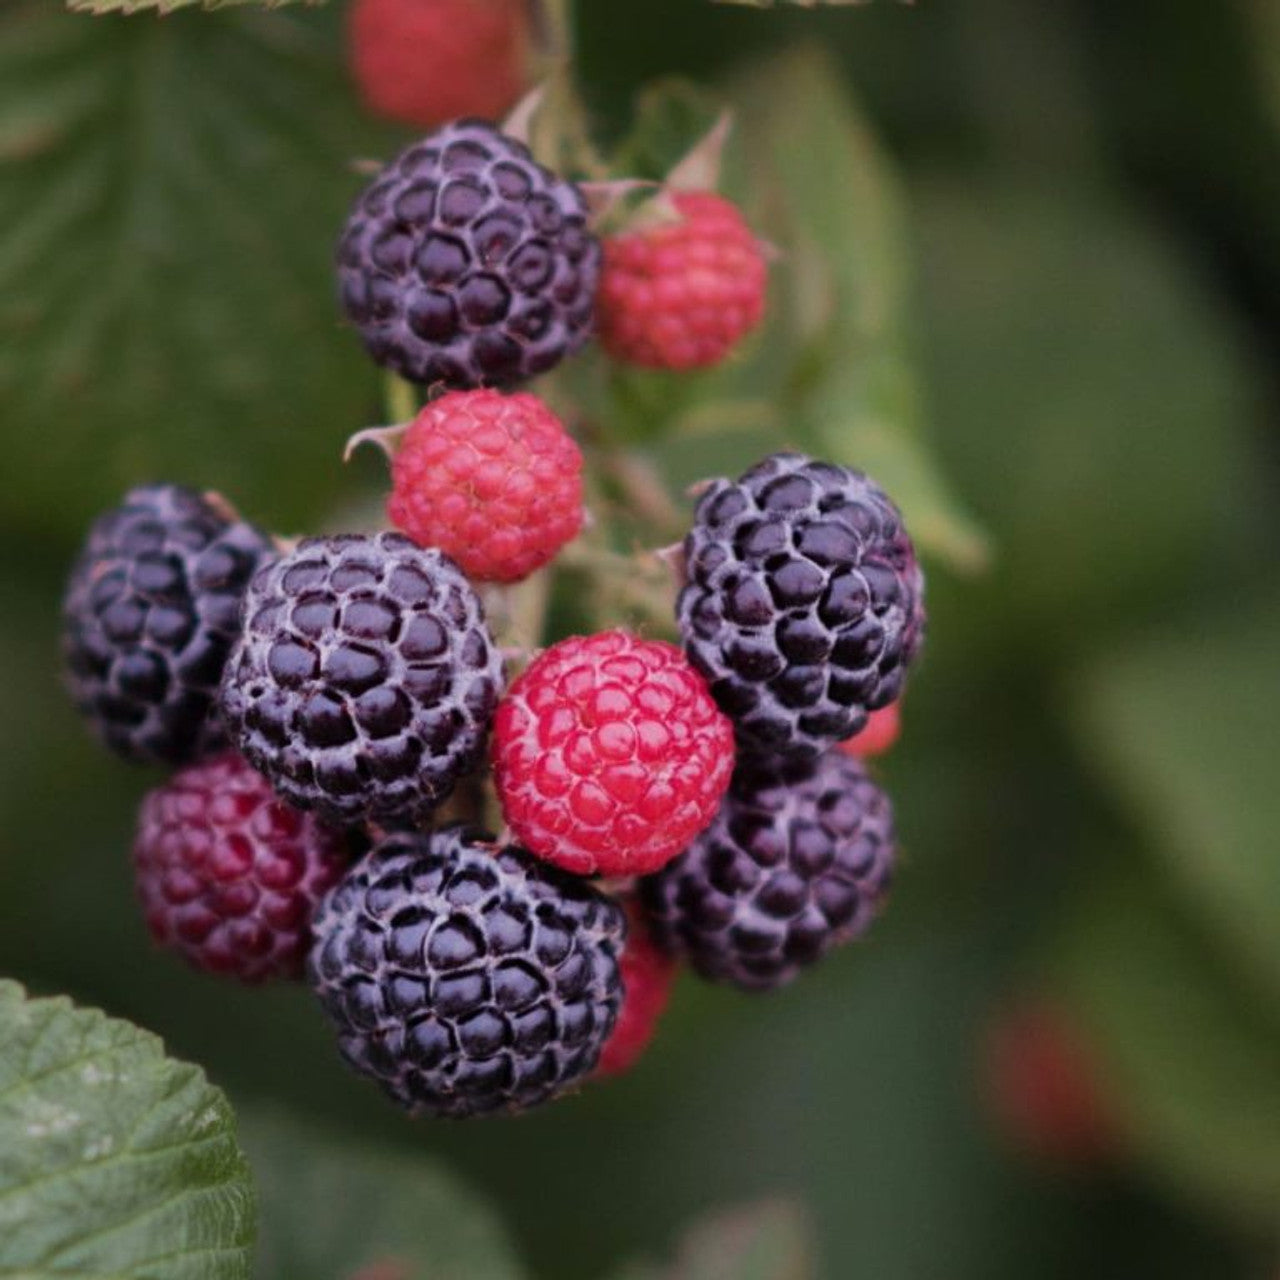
point(681, 295)
point(228, 874)
point(423, 62)
point(494, 481)
point(609, 754)
point(877, 735)
point(648, 974)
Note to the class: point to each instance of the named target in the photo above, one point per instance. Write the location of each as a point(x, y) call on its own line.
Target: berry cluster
point(340, 705)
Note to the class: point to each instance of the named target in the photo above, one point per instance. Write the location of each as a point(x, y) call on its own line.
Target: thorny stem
point(645, 493)
point(518, 613)
point(561, 138)
point(640, 583)
point(557, 16)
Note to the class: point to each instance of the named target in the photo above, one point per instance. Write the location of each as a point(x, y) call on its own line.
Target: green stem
point(400, 398)
point(527, 610)
point(558, 19)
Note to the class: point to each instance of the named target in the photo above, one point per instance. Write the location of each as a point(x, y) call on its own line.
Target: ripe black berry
point(467, 978)
point(792, 865)
point(150, 613)
point(468, 264)
point(365, 679)
point(804, 602)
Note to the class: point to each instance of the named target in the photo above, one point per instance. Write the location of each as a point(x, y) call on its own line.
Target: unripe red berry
point(1044, 1089)
point(681, 295)
point(648, 974)
point(492, 480)
point(877, 735)
point(422, 62)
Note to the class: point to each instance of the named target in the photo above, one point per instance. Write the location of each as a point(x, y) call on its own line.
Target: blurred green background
point(1030, 278)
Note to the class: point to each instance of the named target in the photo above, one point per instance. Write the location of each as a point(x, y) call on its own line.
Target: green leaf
point(670, 117)
point(1186, 1060)
point(1183, 728)
point(115, 1161)
point(799, 4)
point(170, 193)
point(332, 1210)
point(830, 371)
point(835, 211)
point(168, 6)
point(1092, 396)
point(766, 1241)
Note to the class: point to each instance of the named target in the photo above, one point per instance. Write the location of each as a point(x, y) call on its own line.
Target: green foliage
point(670, 117)
point(172, 191)
point(767, 1241)
point(1091, 396)
point(840, 225)
point(1192, 1068)
point(832, 372)
point(800, 4)
point(332, 1210)
point(115, 1161)
point(169, 195)
point(1176, 727)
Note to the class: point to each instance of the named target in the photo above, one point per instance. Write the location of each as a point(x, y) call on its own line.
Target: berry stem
point(561, 139)
point(638, 583)
point(645, 492)
point(400, 398)
point(527, 604)
point(557, 26)
point(517, 615)
point(596, 559)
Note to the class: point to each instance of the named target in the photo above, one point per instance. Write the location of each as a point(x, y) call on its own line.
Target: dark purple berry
point(792, 865)
point(804, 603)
point(365, 679)
point(467, 978)
point(150, 613)
point(468, 264)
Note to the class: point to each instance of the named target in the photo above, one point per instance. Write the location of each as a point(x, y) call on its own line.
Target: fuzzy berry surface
point(465, 263)
point(229, 875)
point(422, 62)
point(609, 755)
point(878, 735)
point(150, 613)
point(467, 978)
point(794, 864)
point(365, 679)
point(493, 480)
point(804, 604)
point(648, 974)
point(682, 295)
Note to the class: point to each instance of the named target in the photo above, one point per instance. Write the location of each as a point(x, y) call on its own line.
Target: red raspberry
point(610, 755)
point(1043, 1088)
point(228, 874)
point(494, 481)
point(423, 62)
point(648, 974)
point(877, 735)
point(680, 295)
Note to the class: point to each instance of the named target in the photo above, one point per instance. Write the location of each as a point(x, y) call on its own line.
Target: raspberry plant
point(360, 674)
point(746, 338)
